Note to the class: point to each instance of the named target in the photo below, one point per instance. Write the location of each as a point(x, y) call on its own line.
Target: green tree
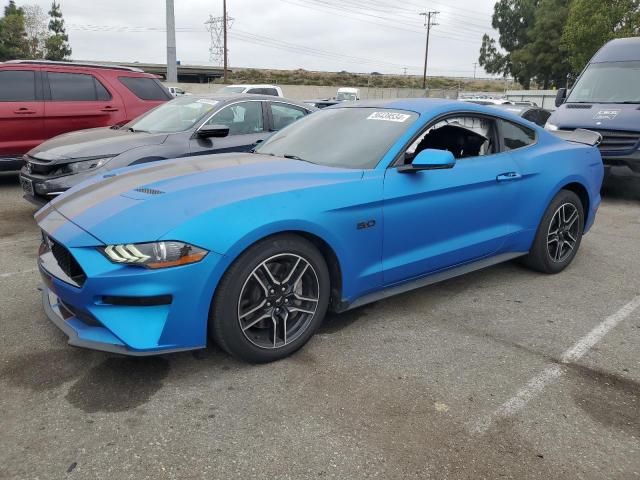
point(57, 44)
point(590, 24)
point(543, 55)
point(512, 19)
point(13, 39)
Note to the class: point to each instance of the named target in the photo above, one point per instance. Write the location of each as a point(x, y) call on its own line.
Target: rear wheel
point(559, 234)
point(271, 300)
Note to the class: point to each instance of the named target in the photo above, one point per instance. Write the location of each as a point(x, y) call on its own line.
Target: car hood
point(95, 142)
point(597, 116)
point(143, 203)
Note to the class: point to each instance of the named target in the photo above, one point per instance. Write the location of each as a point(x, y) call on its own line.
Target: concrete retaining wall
point(309, 92)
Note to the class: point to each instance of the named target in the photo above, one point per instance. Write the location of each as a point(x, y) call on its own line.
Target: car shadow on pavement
point(9, 179)
point(621, 187)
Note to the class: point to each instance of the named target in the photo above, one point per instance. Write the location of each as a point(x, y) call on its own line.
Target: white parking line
point(550, 374)
point(12, 274)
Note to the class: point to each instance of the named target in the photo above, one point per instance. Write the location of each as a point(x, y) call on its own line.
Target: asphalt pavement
point(503, 373)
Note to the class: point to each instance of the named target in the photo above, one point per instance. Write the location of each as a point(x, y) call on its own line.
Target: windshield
point(342, 96)
point(177, 115)
point(228, 90)
point(609, 82)
point(341, 137)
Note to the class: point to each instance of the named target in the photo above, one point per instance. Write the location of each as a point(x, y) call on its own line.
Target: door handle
point(109, 109)
point(24, 111)
point(507, 177)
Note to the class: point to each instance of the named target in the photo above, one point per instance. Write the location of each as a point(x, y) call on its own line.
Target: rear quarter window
point(17, 85)
point(145, 88)
point(516, 136)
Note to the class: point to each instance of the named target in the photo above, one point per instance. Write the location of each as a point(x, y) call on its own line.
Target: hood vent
point(582, 106)
point(148, 191)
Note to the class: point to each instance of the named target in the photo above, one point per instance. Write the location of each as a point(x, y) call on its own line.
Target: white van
point(346, 94)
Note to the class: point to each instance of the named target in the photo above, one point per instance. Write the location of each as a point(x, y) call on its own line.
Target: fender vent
point(581, 106)
point(148, 191)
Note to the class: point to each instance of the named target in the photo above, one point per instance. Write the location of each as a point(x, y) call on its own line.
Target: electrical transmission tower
point(429, 21)
point(217, 28)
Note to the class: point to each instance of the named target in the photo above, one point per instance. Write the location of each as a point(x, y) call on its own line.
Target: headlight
point(84, 165)
point(155, 254)
point(551, 127)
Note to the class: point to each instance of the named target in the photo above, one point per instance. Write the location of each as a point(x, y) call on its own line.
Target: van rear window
point(146, 88)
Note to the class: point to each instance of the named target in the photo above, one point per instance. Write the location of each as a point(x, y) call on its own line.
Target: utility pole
point(405, 71)
point(429, 21)
point(172, 68)
point(474, 70)
point(224, 27)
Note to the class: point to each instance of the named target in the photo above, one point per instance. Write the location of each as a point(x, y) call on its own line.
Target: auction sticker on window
point(389, 116)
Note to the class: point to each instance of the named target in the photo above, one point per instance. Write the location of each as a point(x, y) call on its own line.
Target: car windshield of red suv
point(175, 116)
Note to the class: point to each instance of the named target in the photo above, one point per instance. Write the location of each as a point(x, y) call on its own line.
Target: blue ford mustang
point(346, 206)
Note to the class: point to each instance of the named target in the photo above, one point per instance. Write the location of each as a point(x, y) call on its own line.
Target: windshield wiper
point(131, 129)
point(295, 157)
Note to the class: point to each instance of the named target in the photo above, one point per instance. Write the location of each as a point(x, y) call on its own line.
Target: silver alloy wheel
point(563, 232)
point(278, 301)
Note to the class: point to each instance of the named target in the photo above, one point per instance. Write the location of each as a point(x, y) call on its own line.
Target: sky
point(363, 36)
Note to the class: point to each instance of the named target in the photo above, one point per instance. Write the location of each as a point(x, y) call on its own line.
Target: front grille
point(67, 263)
point(617, 141)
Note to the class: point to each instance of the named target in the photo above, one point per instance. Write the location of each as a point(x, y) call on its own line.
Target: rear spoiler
point(580, 135)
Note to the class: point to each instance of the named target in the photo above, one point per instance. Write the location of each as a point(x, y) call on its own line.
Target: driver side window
point(241, 118)
point(465, 136)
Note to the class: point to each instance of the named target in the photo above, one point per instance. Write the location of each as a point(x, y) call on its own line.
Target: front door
point(436, 219)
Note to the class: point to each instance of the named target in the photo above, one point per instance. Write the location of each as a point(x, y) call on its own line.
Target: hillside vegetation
point(341, 79)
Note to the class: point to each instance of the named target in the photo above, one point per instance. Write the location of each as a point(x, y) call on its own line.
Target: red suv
point(42, 99)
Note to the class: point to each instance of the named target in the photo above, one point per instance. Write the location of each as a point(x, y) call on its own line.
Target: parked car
point(487, 101)
point(606, 99)
point(272, 90)
point(537, 115)
point(346, 94)
point(188, 125)
point(42, 99)
point(177, 91)
point(344, 207)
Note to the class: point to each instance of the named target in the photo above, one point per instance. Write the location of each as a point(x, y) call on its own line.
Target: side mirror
point(561, 96)
point(429, 159)
point(209, 131)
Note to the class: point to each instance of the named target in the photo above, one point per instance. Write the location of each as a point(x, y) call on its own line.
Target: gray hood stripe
point(72, 205)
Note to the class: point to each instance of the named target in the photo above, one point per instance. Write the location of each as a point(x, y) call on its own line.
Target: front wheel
point(271, 300)
point(559, 234)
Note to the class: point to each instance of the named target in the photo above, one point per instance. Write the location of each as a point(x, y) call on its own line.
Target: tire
point(559, 217)
point(271, 300)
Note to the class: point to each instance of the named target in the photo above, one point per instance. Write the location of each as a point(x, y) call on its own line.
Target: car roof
point(73, 64)
point(619, 50)
point(432, 106)
point(234, 97)
point(252, 85)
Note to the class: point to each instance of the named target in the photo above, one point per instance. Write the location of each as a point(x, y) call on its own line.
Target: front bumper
point(11, 164)
point(631, 161)
point(88, 314)
point(43, 189)
point(87, 336)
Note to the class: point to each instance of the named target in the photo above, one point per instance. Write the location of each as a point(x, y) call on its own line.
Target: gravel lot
point(472, 378)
